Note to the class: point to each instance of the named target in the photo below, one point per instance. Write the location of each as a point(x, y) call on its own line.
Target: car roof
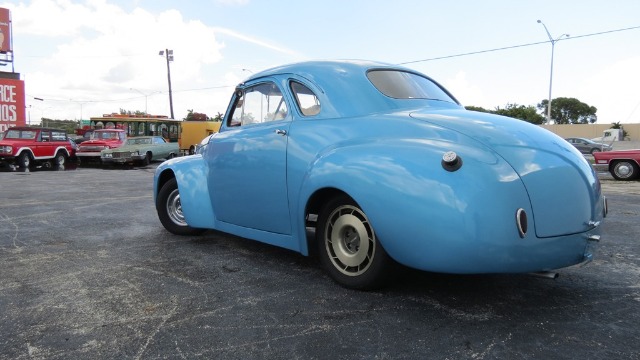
point(34, 128)
point(351, 91)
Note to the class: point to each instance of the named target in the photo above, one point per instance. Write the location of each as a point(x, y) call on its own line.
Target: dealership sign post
point(12, 108)
point(12, 98)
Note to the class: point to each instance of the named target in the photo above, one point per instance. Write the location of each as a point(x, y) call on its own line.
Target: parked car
point(587, 146)
point(26, 145)
point(368, 164)
point(87, 135)
point(622, 164)
point(102, 139)
point(141, 150)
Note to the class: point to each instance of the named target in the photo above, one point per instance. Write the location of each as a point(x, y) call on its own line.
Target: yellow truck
point(193, 131)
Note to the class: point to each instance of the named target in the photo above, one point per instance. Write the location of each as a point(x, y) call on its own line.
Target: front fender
point(191, 175)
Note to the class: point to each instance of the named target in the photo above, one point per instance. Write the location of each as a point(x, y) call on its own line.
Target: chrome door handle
point(281, 132)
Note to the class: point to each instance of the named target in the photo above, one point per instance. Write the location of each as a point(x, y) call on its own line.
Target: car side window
point(59, 136)
point(307, 101)
point(258, 104)
point(44, 135)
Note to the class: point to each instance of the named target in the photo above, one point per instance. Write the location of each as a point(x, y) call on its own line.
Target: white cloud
point(257, 42)
point(466, 93)
point(232, 2)
point(102, 52)
point(614, 91)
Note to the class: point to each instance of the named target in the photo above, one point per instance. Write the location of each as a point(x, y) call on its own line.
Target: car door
point(161, 148)
point(43, 146)
point(248, 160)
point(583, 146)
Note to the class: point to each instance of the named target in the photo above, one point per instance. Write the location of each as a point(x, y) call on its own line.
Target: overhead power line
point(516, 46)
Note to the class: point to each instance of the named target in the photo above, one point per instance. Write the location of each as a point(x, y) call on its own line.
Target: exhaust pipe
point(545, 274)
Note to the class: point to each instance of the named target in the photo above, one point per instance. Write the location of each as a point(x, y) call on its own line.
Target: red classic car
point(102, 139)
point(622, 164)
point(25, 145)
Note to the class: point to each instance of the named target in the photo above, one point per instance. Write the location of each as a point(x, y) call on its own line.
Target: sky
point(93, 57)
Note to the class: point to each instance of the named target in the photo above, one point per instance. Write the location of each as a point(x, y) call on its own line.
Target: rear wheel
point(60, 158)
point(625, 170)
point(24, 160)
point(169, 210)
point(348, 247)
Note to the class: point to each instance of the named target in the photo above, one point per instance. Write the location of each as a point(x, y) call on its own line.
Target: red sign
point(5, 30)
point(12, 109)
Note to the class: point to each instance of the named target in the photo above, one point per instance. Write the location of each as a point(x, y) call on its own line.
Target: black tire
point(351, 262)
point(594, 150)
point(624, 170)
point(147, 159)
point(24, 160)
point(170, 210)
point(60, 159)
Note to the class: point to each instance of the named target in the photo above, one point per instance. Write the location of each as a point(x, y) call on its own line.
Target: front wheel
point(147, 159)
point(169, 210)
point(24, 160)
point(348, 247)
point(625, 170)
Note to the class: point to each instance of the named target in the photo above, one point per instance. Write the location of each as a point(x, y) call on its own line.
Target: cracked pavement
point(88, 272)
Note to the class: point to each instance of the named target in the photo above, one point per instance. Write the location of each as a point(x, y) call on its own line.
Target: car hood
point(129, 148)
point(557, 177)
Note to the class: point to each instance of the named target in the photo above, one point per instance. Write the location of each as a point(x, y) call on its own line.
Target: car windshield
point(106, 135)
point(406, 85)
point(20, 134)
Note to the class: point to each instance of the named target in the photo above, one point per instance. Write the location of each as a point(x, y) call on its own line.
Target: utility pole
point(168, 54)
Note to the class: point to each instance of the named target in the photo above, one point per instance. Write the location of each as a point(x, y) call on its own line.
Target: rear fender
point(418, 195)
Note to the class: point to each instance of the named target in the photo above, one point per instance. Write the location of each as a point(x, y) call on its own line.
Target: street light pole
point(168, 54)
point(553, 45)
point(80, 103)
point(145, 99)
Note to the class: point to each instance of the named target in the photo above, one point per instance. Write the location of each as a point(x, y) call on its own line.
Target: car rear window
point(405, 85)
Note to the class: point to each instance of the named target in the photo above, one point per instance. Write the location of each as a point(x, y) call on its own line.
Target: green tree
point(477, 108)
point(219, 116)
point(570, 111)
point(69, 126)
point(130, 113)
point(195, 116)
point(526, 113)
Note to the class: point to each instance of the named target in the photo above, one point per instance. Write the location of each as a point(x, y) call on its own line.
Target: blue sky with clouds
point(86, 58)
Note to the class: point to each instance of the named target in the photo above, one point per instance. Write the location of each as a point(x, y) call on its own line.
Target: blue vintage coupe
point(368, 164)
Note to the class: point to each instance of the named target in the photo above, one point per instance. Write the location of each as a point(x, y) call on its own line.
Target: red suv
point(26, 145)
point(101, 139)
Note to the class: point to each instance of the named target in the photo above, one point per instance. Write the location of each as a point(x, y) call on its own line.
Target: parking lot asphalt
point(88, 272)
